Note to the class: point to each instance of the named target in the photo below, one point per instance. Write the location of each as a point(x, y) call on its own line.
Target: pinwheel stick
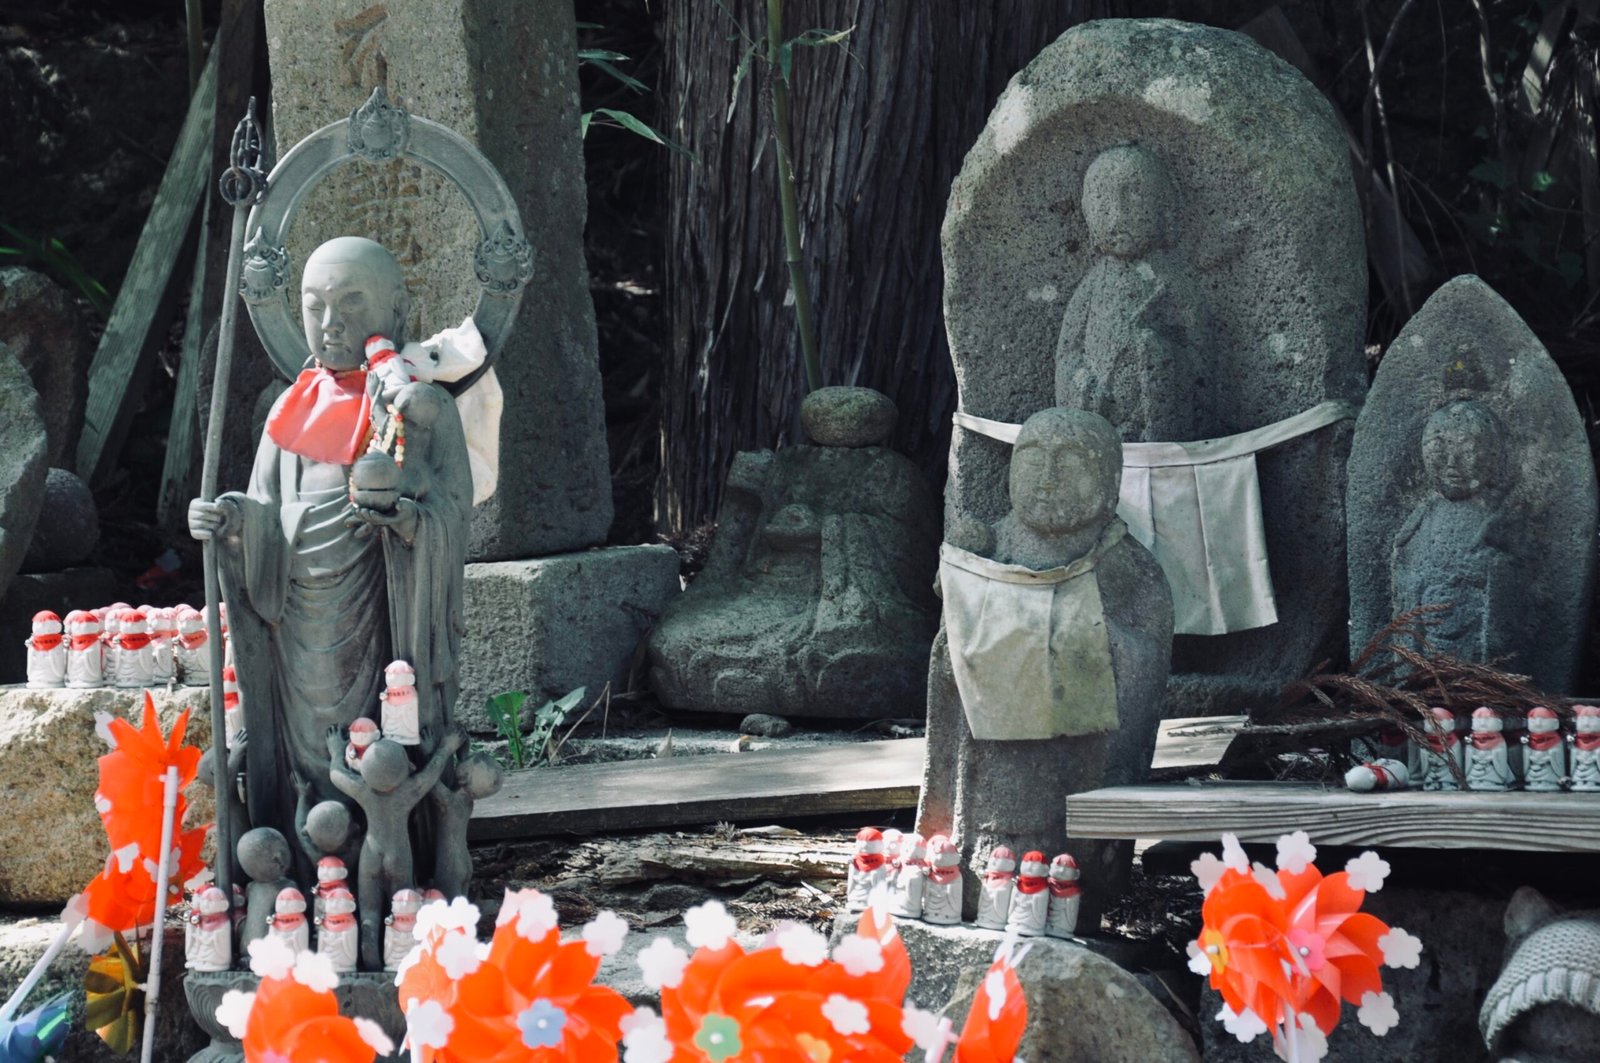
point(1291, 1034)
point(71, 916)
point(152, 989)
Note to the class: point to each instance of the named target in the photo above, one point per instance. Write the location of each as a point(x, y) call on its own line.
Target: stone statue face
point(1128, 197)
point(1462, 450)
point(1065, 471)
point(351, 289)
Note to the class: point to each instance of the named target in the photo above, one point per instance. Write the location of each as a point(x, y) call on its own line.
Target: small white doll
point(110, 650)
point(399, 705)
point(363, 732)
point(1436, 753)
point(1544, 757)
point(208, 934)
point(135, 660)
point(1488, 760)
point(1586, 749)
point(400, 928)
point(190, 658)
point(905, 888)
point(331, 875)
point(1380, 774)
point(941, 891)
point(1062, 921)
point(232, 707)
point(1030, 903)
point(868, 869)
point(85, 654)
point(47, 652)
point(288, 920)
point(163, 645)
point(994, 892)
point(338, 931)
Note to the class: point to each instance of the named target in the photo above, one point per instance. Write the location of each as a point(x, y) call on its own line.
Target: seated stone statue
point(348, 549)
point(1047, 674)
point(814, 600)
point(1448, 550)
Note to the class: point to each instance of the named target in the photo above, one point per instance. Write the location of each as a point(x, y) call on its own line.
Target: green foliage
point(53, 257)
point(530, 734)
point(546, 719)
point(605, 60)
point(505, 712)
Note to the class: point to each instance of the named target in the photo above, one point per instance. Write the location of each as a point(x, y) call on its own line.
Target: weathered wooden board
point(1195, 742)
point(1262, 811)
point(744, 859)
point(647, 794)
point(149, 291)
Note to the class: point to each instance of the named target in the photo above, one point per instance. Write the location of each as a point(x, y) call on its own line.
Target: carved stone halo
point(378, 131)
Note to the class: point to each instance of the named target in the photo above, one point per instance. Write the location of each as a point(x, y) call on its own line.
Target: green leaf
point(632, 82)
point(634, 125)
point(1491, 172)
point(590, 54)
point(786, 60)
point(738, 79)
point(1541, 180)
point(583, 123)
point(816, 38)
point(572, 700)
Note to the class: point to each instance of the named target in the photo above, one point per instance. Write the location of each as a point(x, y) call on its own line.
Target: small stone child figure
point(477, 776)
point(905, 890)
point(400, 928)
point(868, 869)
point(264, 857)
point(1488, 759)
point(208, 933)
point(1436, 753)
point(1062, 921)
point(942, 892)
point(289, 922)
point(398, 711)
point(1586, 749)
point(1544, 755)
point(337, 932)
point(1030, 904)
point(994, 892)
point(387, 790)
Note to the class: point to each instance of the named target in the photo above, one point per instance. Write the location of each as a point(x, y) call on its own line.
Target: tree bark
point(881, 125)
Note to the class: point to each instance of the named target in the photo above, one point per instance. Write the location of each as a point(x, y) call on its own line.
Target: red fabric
point(868, 861)
point(997, 877)
point(192, 642)
point(210, 922)
point(943, 875)
point(338, 922)
point(1586, 742)
point(1542, 740)
point(1063, 889)
point(133, 641)
point(1031, 883)
point(287, 920)
point(81, 643)
point(324, 416)
point(1437, 744)
point(45, 643)
point(1487, 739)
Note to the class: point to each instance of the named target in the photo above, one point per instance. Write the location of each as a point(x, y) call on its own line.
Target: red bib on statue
point(324, 416)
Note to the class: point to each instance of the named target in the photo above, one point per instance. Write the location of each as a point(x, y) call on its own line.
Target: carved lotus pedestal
point(369, 994)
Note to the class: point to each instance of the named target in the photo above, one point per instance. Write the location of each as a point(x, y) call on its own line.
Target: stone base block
point(553, 624)
point(60, 592)
point(52, 842)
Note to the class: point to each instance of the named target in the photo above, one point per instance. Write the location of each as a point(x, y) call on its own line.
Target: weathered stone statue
point(814, 600)
point(323, 592)
point(1047, 674)
point(1471, 485)
point(1126, 238)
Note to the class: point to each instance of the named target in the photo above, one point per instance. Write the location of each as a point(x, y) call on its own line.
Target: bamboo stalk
point(799, 285)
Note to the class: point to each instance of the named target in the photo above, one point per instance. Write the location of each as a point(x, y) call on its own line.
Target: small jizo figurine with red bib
point(208, 935)
point(232, 707)
point(136, 662)
point(400, 928)
point(47, 652)
point(942, 892)
point(331, 875)
point(1062, 921)
point(1436, 753)
point(399, 711)
point(338, 933)
point(190, 658)
point(905, 888)
point(868, 869)
point(363, 732)
point(994, 892)
point(85, 653)
point(1585, 767)
point(288, 922)
point(1030, 904)
point(1544, 754)
point(1488, 758)
point(163, 643)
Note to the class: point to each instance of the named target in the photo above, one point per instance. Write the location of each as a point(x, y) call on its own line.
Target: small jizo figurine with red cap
point(84, 653)
point(1062, 921)
point(1585, 767)
point(1437, 752)
point(135, 659)
point(905, 888)
point(163, 644)
point(111, 627)
point(994, 892)
point(331, 875)
point(1544, 754)
point(208, 933)
point(868, 869)
point(400, 928)
point(232, 707)
point(190, 659)
point(338, 933)
point(288, 921)
point(47, 652)
point(399, 711)
point(363, 732)
point(1030, 904)
point(1488, 758)
point(942, 891)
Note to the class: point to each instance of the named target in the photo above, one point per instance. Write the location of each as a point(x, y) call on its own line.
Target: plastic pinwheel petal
point(997, 1018)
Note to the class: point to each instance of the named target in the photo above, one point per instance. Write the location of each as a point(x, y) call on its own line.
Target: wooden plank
point(643, 794)
point(1417, 819)
point(1195, 742)
point(149, 291)
point(745, 859)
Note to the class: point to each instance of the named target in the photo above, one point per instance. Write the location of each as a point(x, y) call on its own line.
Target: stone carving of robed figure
point(347, 550)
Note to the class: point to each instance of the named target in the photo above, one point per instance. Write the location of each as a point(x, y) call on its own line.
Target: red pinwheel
point(999, 1014)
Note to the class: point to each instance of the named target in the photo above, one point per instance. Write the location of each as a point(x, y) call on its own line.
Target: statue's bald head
point(1066, 471)
point(351, 289)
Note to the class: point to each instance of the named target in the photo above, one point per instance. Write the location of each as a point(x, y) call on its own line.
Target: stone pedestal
point(53, 842)
point(553, 624)
point(60, 592)
point(503, 74)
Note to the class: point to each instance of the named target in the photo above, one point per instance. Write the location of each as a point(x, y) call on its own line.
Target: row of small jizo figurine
point(924, 882)
point(120, 645)
point(1542, 758)
point(210, 927)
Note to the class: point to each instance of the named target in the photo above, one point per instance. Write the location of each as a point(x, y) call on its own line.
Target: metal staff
point(242, 185)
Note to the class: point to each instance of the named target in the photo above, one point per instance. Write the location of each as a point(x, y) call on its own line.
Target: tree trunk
point(881, 125)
